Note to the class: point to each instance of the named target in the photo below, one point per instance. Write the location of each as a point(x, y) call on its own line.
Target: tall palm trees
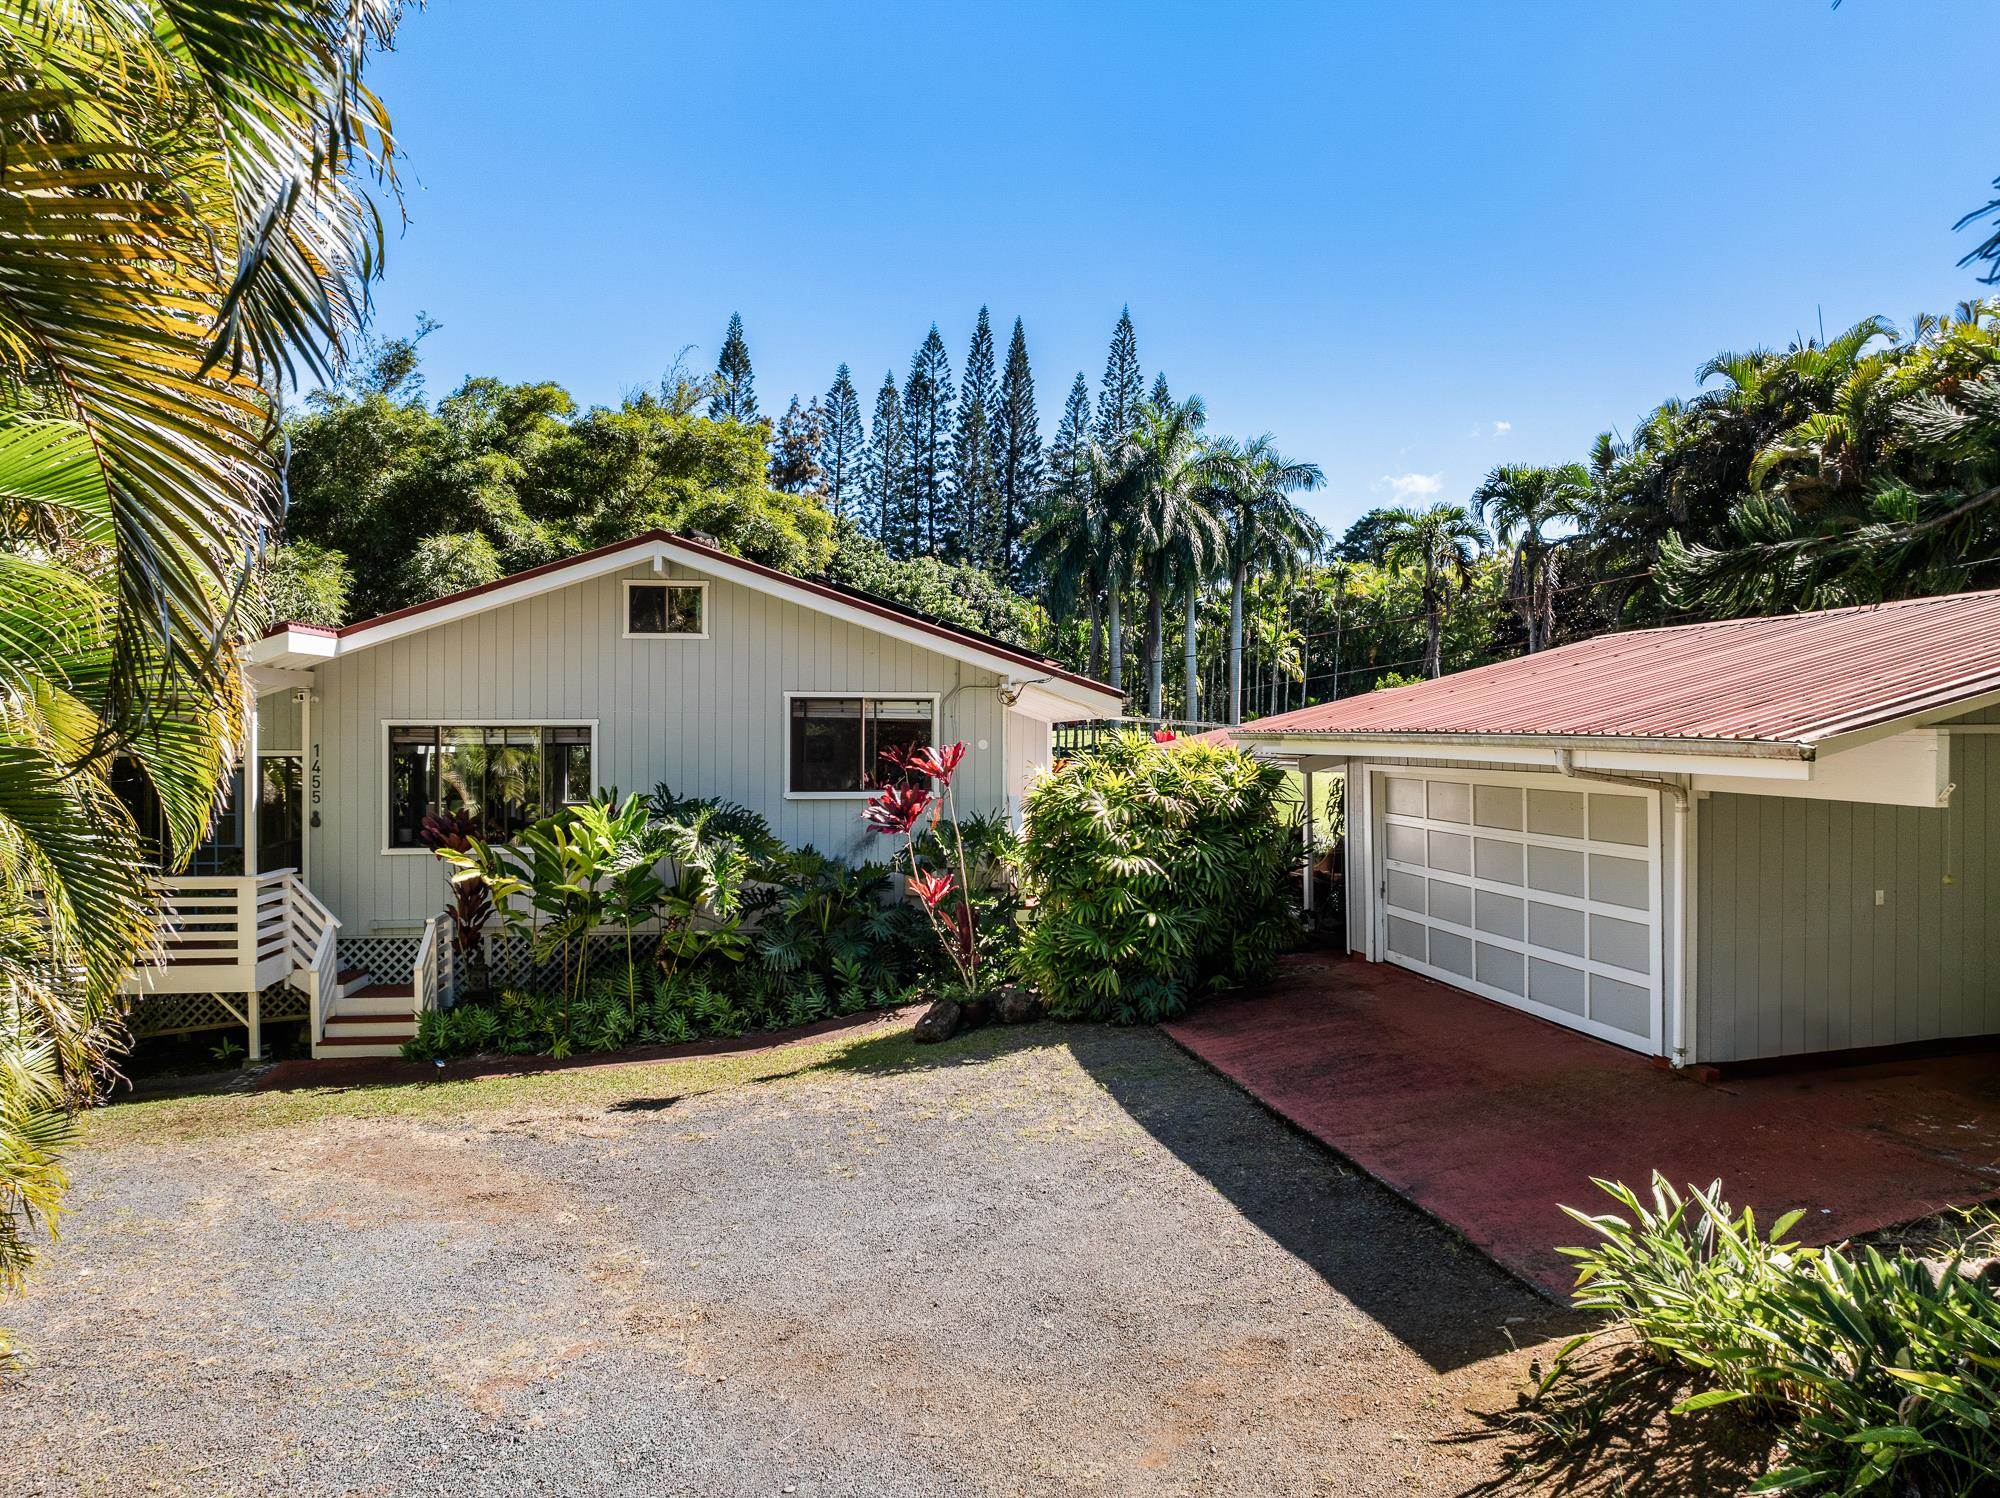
point(1440, 544)
point(1253, 483)
point(180, 221)
point(1176, 538)
point(1521, 500)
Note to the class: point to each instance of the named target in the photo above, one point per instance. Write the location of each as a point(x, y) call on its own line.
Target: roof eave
point(1721, 748)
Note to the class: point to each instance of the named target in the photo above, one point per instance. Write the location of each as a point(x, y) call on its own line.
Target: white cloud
point(1502, 428)
point(1407, 486)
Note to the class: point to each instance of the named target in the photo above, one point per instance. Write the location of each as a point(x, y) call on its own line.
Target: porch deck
point(1489, 1119)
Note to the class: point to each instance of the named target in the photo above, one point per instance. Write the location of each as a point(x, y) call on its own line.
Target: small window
point(837, 742)
point(660, 609)
point(503, 778)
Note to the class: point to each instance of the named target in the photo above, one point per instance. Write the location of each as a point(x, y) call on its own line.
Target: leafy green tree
point(735, 396)
point(795, 450)
point(927, 406)
point(953, 593)
point(1253, 484)
point(1439, 545)
point(968, 527)
point(449, 562)
point(885, 473)
point(1017, 454)
point(305, 584)
point(188, 223)
point(375, 476)
point(1362, 541)
point(843, 446)
point(1521, 501)
point(1123, 388)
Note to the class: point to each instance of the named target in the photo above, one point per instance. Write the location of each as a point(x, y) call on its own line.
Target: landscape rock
point(939, 1022)
point(1017, 1006)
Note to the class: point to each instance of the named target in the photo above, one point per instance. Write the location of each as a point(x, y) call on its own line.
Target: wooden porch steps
point(369, 1019)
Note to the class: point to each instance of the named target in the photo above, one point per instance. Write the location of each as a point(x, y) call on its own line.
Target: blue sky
point(1411, 240)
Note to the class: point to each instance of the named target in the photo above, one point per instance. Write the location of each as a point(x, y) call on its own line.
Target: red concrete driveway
point(1490, 1119)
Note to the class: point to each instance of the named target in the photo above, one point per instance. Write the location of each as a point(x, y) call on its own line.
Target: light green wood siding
point(706, 716)
point(1795, 956)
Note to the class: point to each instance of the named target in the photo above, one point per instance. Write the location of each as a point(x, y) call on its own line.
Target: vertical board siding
point(1794, 955)
point(705, 716)
point(277, 721)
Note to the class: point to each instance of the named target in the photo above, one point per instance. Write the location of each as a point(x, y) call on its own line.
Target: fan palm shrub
point(1156, 873)
point(183, 222)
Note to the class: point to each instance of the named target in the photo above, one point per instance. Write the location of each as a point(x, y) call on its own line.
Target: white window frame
point(625, 597)
point(785, 768)
point(382, 759)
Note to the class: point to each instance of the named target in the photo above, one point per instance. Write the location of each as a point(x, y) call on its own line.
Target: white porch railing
point(236, 935)
point(424, 969)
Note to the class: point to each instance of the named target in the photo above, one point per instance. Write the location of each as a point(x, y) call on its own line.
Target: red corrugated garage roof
point(1797, 679)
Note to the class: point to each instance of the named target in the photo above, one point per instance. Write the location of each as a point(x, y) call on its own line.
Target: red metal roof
point(1792, 679)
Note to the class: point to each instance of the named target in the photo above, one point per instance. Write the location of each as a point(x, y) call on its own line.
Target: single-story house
point(661, 659)
point(1710, 843)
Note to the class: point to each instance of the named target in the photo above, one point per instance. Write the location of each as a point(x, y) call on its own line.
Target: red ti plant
point(909, 805)
point(471, 904)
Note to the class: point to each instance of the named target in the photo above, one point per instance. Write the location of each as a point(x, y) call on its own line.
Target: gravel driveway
point(1047, 1260)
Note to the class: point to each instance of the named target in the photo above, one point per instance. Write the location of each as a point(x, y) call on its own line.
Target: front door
point(280, 813)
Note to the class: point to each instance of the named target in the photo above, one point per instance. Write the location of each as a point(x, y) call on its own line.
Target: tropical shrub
point(909, 808)
point(1156, 873)
point(1887, 1368)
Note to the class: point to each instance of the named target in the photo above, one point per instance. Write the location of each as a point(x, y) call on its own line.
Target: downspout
point(1677, 1040)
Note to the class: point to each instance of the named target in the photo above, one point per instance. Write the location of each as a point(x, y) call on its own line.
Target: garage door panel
point(1501, 968)
point(1406, 891)
point(1406, 844)
point(1540, 896)
point(1451, 902)
point(1450, 800)
point(1498, 859)
point(1557, 871)
point(1497, 806)
point(1621, 881)
point(1623, 1006)
point(1558, 986)
point(1406, 938)
point(1500, 915)
point(1556, 926)
point(1451, 952)
point(1626, 944)
point(1620, 819)
point(1556, 813)
point(1450, 851)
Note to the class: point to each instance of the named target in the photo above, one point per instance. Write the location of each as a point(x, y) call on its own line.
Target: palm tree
point(1071, 546)
point(1520, 500)
point(183, 220)
point(1254, 484)
point(1177, 538)
point(1440, 544)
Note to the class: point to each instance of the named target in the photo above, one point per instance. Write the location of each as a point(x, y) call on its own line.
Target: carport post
point(1306, 895)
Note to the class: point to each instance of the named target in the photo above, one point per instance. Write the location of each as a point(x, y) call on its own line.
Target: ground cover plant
point(1157, 873)
point(720, 930)
point(1883, 1369)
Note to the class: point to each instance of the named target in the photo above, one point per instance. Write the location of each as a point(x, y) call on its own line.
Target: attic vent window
point(661, 610)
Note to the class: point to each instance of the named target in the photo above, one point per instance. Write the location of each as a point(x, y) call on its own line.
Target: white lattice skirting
point(183, 1013)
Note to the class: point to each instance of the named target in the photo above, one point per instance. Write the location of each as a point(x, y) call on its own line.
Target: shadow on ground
point(1440, 1297)
point(1609, 1423)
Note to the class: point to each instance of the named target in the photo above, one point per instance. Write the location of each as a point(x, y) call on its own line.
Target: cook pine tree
point(735, 397)
point(969, 530)
point(884, 471)
point(927, 406)
point(1017, 455)
point(1118, 397)
point(841, 448)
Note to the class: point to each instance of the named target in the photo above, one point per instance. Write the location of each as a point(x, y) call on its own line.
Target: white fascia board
point(1059, 701)
point(1912, 768)
point(1538, 756)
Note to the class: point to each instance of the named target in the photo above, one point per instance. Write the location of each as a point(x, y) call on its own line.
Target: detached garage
point(1710, 843)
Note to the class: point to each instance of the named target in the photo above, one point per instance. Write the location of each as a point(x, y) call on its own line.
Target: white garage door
point(1541, 897)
